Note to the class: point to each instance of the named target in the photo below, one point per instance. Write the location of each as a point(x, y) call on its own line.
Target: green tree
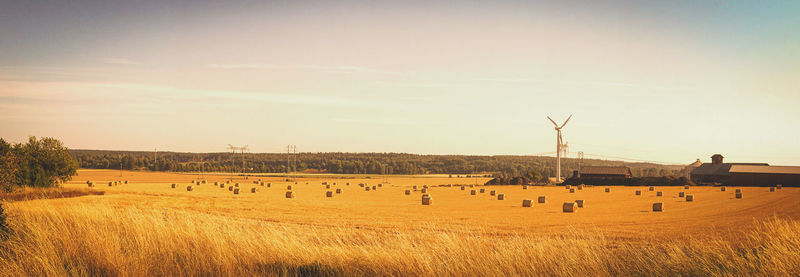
point(44, 163)
point(9, 166)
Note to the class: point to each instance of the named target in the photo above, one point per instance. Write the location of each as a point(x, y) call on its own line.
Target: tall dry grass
point(80, 239)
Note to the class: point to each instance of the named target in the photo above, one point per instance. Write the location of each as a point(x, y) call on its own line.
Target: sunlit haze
point(666, 81)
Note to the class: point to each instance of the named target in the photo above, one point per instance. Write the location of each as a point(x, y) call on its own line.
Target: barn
point(716, 171)
point(764, 176)
point(605, 172)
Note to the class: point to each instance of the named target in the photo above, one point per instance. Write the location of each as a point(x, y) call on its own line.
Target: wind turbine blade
point(551, 120)
point(565, 122)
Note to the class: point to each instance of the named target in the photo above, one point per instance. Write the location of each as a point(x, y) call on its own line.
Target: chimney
point(716, 159)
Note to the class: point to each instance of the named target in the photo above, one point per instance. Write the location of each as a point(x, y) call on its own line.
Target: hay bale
point(542, 199)
point(236, 185)
point(230, 188)
point(222, 186)
point(110, 183)
point(463, 188)
point(192, 181)
point(408, 192)
point(216, 184)
point(608, 189)
point(425, 186)
point(189, 188)
point(658, 193)
point(524, 187)
point(738, 195)
point(473, 192)
point(338, 191)
point(374, 188)
point(492, 193)
point(569, 207)
point(262, 184)
point(236, 191)
point(126, 182)
point(327, 186)
point(482, 190)
point(580, 187)
point(427, 199)
point(681, 194)
point(580, 203)
point(527, 203)
point(685, 187)
point(568, 187)
point(722, 189)
point(658, 207)
point(348, 183)
point(472, 186)
point(414, 187)
point(289, 187)
point(738, 190)
point(501, 196)
point(689, 198)
point(329, 193)
point(90, 184)
point(771, 189)
point(324, 183)
point(174, 185)
point(779, 186)
point(204, 181)
point(253, 190)
point(269, 185)
point(366, 188)
point(255, 182)
point(380, 185)
point(638, 192)
point(228, 181)
point(652, 188)
point(571, 190)
point(290, 194)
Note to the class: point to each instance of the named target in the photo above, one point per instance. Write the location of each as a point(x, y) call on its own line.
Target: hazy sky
point(665, 81)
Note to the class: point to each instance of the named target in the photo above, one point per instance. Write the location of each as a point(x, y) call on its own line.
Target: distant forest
point(534, 167)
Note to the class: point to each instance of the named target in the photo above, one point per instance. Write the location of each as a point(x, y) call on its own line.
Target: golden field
point(147, 228)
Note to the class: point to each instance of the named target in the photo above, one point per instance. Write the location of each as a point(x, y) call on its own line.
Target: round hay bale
point(722, 189)
point(542, 199)
point(427, 199)
point(189, 188)
point(408, 192)
point(255, 182)
point(524, 187)
point(738, 190)
point(658, 193)
point(681, 194)
point(348, 183)
point(380, 185)
point(473, 192)
point(262, 184)
point(571, 190)
point(779, 186)
point(110, 183)
point(424, 190)
point(738, 195)
point(374, 188)
point(771, 189)
point(425, 186)
point(327, 186)
point(638, 192)
point(685, 187)
point(290, 194)
point(230, 188)
point(90, 184)
point(324, 183)
point(338, 191)
point(492, 193)
point(568, 187)
point(236, 185)
point(253, 190)
point(414, 187)
point(236, 191)
point(689, 198)
point(228, 181)
point(472, 186)
point(463, 188)
point(366, 188)
point(126, 182)
point(658, 207)
point(482, 190)
point(269, 185)
point(569, 207)
point(204, 181)
point(329, 193)
point(580, 187)
point(608, 189)
point(652, 188)
point(580, 203)
point(289, 187)
point(174, 185)
point(527, 203)
point(192, 181)
point(216, 183)
point(501, 196)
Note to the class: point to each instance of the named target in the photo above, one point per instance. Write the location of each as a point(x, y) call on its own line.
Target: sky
point(664, 81)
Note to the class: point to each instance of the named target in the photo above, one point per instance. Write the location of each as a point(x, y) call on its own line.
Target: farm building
point(606, 172)
point(765, 176)
point(716, 171)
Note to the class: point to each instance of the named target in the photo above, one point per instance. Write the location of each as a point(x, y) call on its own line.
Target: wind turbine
point(559, 145)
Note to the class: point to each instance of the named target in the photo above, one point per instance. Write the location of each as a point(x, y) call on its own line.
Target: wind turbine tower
point(559, 146)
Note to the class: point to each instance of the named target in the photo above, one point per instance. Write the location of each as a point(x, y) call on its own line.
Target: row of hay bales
point(110, 183)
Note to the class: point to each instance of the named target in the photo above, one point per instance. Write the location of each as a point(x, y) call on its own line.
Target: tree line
point(533, 167)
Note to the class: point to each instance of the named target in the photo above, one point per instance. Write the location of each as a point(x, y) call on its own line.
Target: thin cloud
point(120, 61)
point(337, 69)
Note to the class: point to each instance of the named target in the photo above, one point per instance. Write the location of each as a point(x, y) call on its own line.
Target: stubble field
point(147, 227)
